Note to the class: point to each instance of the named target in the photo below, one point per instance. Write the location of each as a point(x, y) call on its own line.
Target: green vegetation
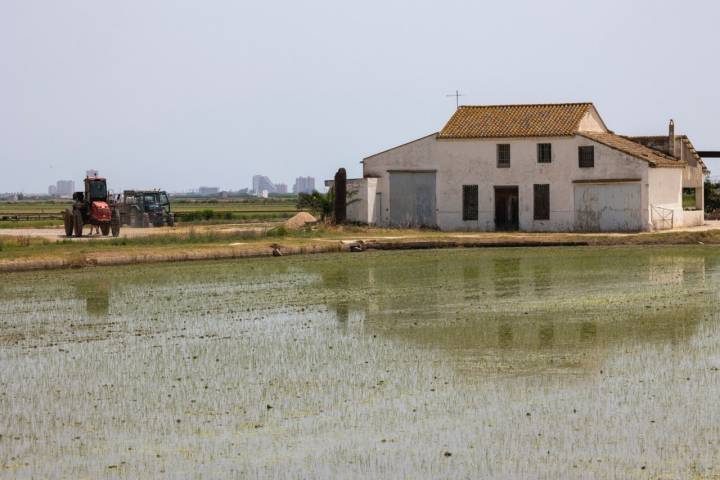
point(224, 216)
point(319, 204)
point(188, 211)
point(712, 196)
point(31, 223)
point(688, 198)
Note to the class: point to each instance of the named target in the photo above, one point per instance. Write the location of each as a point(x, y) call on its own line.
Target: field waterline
point(504, 363)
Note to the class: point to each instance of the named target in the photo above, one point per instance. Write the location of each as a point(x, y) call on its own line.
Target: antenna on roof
point(457, 96)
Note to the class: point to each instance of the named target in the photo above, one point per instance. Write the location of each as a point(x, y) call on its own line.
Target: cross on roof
point(457, 96)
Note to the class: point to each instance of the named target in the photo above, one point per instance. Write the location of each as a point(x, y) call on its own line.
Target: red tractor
point(93, 207)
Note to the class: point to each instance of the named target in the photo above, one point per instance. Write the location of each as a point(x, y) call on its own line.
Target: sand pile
point(298, 221)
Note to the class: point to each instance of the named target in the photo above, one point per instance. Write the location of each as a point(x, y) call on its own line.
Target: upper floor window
point(586, 157)
point(503, 155)
point(544, 152)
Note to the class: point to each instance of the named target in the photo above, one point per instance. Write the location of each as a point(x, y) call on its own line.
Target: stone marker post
point(340, 207)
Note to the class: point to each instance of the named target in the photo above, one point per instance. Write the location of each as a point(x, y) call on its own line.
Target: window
point(470, 202)
point(688, 199)
point(503, 155)
point(98, 190)
point(586, 157)
point(541, 201)
point(544, 152)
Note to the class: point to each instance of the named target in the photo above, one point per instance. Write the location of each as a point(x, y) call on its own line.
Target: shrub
point(279, 231)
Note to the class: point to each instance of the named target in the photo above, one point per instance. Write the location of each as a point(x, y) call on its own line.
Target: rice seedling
point(514, 363)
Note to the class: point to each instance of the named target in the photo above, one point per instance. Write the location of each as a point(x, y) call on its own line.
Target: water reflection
point(580, 306)
point(96, 293)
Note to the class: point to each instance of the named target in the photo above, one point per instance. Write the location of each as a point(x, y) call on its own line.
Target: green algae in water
point(542, 363)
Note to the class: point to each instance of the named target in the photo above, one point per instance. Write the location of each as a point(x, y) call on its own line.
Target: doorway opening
point(506, 208)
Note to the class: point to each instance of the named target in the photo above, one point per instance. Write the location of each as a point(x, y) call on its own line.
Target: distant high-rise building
point(91, 173)
point(304, 185)
point(208, 190)
point(260, 183)
point(64, 188)
point(52, 190)
point(280, 188)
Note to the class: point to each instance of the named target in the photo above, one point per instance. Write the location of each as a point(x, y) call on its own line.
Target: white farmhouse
point(552, 167)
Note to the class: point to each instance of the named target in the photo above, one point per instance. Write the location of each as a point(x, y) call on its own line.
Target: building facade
point(260, 183)
point(304, 185)
point(208, 190)
point(550, 167)
point(64, 188)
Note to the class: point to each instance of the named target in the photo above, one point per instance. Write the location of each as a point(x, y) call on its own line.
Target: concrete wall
point(693, 175)
point(692, 218)
point(361, 206)
point(473, 161)
point(665, 196)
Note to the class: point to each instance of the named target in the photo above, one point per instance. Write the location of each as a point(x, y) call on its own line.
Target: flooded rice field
point(506, 363)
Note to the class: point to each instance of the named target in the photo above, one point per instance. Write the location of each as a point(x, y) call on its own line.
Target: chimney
point(671, 138)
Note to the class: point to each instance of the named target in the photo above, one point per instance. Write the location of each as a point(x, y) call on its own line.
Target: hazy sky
point(178, 94)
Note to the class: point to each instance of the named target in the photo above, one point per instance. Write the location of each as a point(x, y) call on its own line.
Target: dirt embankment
point(106, 258)
point(337, 240)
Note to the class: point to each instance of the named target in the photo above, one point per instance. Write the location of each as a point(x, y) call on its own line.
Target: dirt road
point(58, 234)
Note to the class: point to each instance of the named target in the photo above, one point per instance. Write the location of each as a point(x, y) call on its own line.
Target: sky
point(179, 94)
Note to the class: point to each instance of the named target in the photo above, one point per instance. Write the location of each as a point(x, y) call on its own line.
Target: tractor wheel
point(145, 220)
point(171, 220)
point(77, 223)
point(115, 226)
point(68, 220)
point(105, 229)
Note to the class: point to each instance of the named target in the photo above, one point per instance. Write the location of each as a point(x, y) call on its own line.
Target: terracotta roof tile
point(497, 121)
point(654, 157)
point(683, 138)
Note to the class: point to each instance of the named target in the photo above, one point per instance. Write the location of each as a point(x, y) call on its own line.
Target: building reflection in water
point(564, 309)
point(96, 293)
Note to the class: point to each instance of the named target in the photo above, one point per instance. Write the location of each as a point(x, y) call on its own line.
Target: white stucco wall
point(473, 161)
point(591, 122)
point(361, 206)
point(665, 193)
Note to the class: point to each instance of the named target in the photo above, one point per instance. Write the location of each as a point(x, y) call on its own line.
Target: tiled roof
point(497, 121)
point(663, 140)
point(654, 157)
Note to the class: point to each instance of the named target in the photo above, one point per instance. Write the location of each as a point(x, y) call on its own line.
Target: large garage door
point(412, 199)
point(608, 207)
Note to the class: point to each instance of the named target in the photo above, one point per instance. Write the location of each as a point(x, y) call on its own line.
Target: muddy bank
point(110, 259)
point(155, 254)
point(121, 258)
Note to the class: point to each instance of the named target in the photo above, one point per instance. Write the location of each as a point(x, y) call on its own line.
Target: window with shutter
point(541, 201)
point(544, 152)
point(503, 155)
point(470, 202)
point(586, 157)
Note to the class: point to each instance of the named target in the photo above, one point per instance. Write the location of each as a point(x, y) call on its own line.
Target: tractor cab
point(96, 189)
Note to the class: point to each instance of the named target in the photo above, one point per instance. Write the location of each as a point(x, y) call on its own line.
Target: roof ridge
point(526, 105)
